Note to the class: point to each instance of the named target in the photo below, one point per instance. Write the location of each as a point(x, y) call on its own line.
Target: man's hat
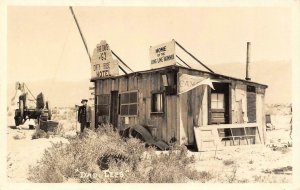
point(84, 100)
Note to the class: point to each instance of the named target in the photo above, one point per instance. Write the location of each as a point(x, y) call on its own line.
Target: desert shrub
point(39, 133)
point(19, 136)
point(231, 176)
point(80, 161)
point(251, 162)
point(228, 162)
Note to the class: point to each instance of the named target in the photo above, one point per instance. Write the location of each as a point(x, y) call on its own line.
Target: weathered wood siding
point(260, 113)
point(145, 84)
point(181, 112)
point(239, 102)
point(192, 110)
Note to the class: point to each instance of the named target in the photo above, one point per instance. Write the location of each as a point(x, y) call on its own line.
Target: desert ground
point(271, 163)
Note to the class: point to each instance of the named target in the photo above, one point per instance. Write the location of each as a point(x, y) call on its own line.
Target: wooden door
point(219, 104)
point(251, 104)
point(114, 105)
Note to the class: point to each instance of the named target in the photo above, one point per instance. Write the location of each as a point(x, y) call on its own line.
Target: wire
point(183, 61)
point(194, 57)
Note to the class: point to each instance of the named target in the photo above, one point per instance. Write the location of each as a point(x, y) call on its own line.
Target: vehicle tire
point(18, 120)
point(21, 106)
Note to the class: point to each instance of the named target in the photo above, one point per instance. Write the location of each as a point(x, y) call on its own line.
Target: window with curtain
point(157, 103)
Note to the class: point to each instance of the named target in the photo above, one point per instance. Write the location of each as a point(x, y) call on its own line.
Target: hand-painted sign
point(188, 82)
point(163, 55)
point(102, 63)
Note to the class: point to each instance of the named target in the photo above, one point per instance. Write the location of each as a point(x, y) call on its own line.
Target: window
point(239, 136)
point(157, 103)
point(128, 103)
point(103, 104)
point(217, 101)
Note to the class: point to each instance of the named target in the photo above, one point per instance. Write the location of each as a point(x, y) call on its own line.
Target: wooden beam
point(183, 61)
point(84, 42)
point(121, 60)
point(193, 57)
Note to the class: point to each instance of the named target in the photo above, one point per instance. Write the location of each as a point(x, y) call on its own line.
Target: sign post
point(102, 63)
point(163, 55)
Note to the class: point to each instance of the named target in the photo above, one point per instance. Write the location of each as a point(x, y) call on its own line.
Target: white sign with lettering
point(189, 82)
point(102, 63)
point(163, 55)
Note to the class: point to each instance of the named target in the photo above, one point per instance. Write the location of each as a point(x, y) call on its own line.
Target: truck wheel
point(18, 120)
point(21, 108)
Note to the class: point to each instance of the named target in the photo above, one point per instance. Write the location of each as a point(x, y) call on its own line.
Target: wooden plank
point(235, 125)
point(174, 112)
point(259, 116)
point(190, 124)
point(183, 107)
point(206, 139)
point(169, 118)
point(178, 120)
point(123, 84)
point(205, 106)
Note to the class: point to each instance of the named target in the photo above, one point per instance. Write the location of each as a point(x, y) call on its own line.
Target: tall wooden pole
point(248, 62)
point(77, 24)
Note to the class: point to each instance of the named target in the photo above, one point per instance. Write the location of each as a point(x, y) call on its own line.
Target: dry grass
point(129, 162)
point(228, 162)
point(39, 134)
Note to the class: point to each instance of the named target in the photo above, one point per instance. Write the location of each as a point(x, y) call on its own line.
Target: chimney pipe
point(248, 61)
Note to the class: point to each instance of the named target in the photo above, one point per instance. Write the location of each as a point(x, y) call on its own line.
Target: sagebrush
point(78, 161)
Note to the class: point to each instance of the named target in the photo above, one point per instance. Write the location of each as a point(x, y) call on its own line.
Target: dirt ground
point(249, 164)
point(245, 164)
point(24, 152)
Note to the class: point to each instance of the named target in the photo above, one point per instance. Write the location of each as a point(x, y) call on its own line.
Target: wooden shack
point(175, 103)
point(230, 113)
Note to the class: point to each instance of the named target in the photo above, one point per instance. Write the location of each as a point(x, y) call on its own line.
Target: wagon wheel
point(49, 110)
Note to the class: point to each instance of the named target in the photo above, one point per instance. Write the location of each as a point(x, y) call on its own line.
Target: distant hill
point(277, 75)
point(59, 93)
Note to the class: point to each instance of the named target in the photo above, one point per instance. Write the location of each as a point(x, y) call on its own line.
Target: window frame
point(217, 101)
point(136, 103)
point(246, 136)
point(106, 104)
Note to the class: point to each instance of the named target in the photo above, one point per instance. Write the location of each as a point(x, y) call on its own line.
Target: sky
point(43, 42)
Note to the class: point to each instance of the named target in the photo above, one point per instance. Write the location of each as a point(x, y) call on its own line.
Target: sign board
point(102, 63)
point(163, 55)
point(189, 82)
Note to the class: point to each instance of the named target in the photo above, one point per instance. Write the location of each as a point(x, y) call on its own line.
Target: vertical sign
point(102, 63)
point(163, 55)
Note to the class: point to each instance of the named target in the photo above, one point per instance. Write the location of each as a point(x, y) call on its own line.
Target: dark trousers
point(84, 125)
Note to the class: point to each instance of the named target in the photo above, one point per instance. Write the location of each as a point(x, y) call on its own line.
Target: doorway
point(219, 104)
point(114, 108)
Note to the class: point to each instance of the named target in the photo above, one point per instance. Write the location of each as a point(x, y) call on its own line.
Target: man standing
point(84, 115)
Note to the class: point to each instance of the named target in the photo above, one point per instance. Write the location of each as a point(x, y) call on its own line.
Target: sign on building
point(189, 82)
point(163, 55)
point(102, 64)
